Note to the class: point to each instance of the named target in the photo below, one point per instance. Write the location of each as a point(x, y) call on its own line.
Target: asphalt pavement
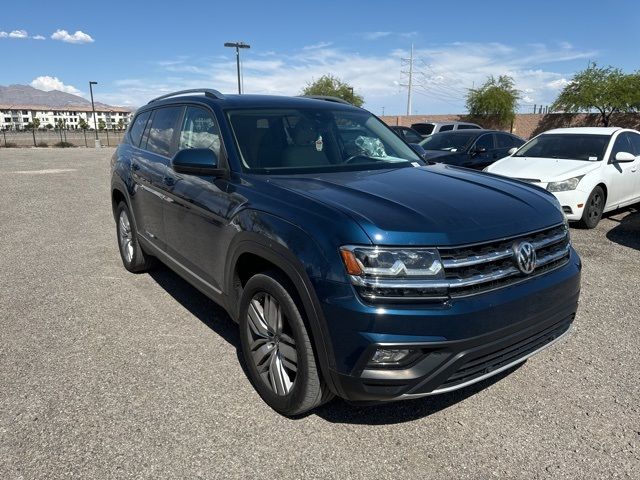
point(107, 374)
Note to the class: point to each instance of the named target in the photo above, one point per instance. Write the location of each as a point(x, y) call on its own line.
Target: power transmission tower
point(409, 83)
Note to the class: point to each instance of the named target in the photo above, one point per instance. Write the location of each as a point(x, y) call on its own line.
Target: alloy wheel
point(272, 347)
point(595, 206)
point(125, 236)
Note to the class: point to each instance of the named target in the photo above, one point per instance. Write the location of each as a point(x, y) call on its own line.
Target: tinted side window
point(161, 133)
point(622, 145)
point(137, 127)
point(485, 141)
point(468, 127)
point(411, 136)
point(199, 130)
point(635, 143)
point(503, 140)
point(517, 142)
point(423, 128)
point(444, 128)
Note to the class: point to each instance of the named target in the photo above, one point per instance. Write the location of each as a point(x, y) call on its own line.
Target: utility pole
point(93, 109)
point(238, 46)
point(409, 83)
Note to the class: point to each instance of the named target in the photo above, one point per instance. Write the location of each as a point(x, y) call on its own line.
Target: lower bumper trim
point(438, 391)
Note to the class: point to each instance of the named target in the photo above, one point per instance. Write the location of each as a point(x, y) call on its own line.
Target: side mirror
point(416, 147)
point(478, 150)
point(196, 161)
point(512, 150)
point(624, 157)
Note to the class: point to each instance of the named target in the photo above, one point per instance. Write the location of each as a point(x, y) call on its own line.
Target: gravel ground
point(105, 374)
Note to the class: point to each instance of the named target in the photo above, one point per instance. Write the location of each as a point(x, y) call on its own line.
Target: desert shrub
point(10, 145)
point(42, 144)
point(63, 145)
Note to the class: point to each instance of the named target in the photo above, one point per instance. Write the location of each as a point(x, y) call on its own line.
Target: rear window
point(137, 127)
point(423, 128)
point(163, 126)
point(445, 128)
point(468, 127)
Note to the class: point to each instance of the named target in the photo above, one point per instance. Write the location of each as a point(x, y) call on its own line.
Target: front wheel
point(593, 209)
point(276, 347)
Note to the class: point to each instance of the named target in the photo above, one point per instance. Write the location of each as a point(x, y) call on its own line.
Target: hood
point(436, 205)
point(543, 169)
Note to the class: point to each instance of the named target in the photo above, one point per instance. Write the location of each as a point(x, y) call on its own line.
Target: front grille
point(501, 357)
point(477, 268)
point(472, 269)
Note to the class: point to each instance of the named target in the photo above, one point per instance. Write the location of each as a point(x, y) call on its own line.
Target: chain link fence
point(49, 138)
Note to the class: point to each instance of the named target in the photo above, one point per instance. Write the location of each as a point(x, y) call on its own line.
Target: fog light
point(391, 356)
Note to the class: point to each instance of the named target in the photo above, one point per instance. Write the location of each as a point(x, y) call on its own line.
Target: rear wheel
point(276, 347)
point(133, 257)
point(593, 208)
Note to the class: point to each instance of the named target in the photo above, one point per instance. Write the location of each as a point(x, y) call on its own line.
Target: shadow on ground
point(336, 411)
point(627, 231)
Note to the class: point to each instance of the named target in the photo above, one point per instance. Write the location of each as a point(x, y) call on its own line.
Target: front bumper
point(462, 341)
point(570, 200)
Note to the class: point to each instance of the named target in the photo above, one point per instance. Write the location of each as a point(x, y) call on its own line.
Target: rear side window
point(444, 128)
point(162, 128)
point(411, 137)
point(137, 127)
point(468, 127)
point(423, 128)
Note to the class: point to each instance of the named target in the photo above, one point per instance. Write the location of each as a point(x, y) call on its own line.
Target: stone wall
point(527, 125)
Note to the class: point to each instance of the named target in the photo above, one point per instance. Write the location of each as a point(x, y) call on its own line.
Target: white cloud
point(48, 83)
point(443, 74)
point(38, 37)
point(78, 37)
point(318, 45)
point(375, 35)
point(3, 34)
point(19, 34)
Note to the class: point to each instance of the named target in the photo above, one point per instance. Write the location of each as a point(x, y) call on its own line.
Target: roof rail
point(327, 98)
point(209, 92)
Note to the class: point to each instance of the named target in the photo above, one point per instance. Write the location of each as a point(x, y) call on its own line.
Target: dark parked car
point(469, 148)
point(352, 268)
point(408, 134)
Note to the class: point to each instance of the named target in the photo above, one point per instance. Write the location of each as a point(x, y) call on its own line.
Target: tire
point(133, 257)
point(276, 347)
point(593, 208)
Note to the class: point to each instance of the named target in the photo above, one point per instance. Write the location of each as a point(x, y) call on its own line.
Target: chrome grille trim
point(472, 269)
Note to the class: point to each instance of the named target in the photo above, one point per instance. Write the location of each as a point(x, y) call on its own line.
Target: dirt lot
point(105, 374)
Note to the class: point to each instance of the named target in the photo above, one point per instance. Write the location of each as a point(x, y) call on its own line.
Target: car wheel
point(133, 257)
point(593, 208)
point(276, 347)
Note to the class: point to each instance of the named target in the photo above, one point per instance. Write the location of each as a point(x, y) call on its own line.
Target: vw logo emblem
point(525, 257)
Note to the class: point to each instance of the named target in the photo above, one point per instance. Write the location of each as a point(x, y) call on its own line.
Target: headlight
point(564, 185)
point(392, 262)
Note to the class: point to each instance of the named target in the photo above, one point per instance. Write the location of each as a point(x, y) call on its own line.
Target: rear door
point(148, 170)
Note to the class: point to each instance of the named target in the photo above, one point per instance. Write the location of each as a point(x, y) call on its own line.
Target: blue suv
point(352, 267)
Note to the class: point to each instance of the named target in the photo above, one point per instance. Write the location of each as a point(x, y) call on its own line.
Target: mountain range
point(27, 95)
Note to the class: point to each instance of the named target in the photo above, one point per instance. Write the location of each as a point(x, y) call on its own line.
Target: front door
point(200, 205)
point(623, 176)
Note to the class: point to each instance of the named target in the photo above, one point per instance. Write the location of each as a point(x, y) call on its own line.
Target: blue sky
point(137, 50)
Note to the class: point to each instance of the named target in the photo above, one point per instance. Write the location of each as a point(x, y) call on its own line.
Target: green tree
point(36, 123)
point(334, 87)
point(496, 101)
point(121, 124)
point(605, 89)
point(82, 124)
point(101, 124)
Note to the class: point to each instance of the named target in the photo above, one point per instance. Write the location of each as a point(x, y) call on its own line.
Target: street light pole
point(93, 109)
point(237, 46)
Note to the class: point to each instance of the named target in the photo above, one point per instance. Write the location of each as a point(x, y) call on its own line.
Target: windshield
point(571, 146)
point(451, 142)
point(274, 141)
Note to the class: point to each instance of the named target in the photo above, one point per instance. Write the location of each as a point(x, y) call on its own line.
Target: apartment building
point(18, 117)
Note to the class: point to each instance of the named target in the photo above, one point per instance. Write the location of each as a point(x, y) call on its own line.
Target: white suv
point(590, 170)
